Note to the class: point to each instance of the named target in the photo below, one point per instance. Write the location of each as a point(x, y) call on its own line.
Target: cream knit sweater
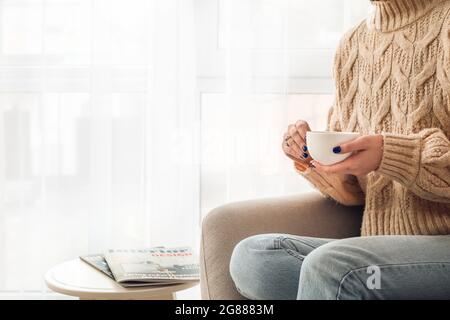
point(392, 75)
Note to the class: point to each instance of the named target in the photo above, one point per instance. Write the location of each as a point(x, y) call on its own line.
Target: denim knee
point(322, 276)
point(243, 265)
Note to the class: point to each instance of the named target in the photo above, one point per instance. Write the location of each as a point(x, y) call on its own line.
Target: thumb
point(354, 145)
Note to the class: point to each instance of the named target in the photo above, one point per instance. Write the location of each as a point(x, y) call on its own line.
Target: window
point(122, 122)
point(262, 64)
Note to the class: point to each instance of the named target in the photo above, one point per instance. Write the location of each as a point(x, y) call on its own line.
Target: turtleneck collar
point(390, 15)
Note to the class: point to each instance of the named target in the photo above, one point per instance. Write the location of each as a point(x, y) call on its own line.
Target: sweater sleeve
point(420, 162)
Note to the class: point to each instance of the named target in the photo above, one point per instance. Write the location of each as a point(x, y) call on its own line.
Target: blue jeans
point(282, 266)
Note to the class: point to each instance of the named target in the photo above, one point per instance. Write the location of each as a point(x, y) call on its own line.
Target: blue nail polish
point(305, 148)
point(305, 155)
point(337, 149)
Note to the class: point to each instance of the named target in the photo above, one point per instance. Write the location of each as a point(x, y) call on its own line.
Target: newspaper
point(98, 262)
point(153, 266)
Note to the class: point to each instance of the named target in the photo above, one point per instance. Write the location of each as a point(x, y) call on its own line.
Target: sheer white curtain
point(99, 125)
point(122, 122)
point(267, 63)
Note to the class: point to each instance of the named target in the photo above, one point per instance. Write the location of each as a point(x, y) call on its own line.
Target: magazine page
point(160, 265)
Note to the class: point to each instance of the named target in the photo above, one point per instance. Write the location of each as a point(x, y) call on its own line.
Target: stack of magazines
point(146, 267)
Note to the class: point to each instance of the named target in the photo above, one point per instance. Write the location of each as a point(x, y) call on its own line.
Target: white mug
point(321, 143)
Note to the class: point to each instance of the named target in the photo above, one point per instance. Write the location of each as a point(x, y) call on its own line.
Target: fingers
point(345, 166)
point(294, 153)
point(295, 146)
point(354, 145)
point(290, 148)
point(352, 165)
point(359, 163)
point(298, 133)
point(290, 143)
point(292, 129)
point(302, 127)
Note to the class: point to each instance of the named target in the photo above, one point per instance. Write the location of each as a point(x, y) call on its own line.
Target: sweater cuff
point(401, 157)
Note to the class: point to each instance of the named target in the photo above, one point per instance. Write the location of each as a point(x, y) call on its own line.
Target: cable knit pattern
point(392, 75)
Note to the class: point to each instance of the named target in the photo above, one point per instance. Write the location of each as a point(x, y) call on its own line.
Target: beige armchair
point(307, 215)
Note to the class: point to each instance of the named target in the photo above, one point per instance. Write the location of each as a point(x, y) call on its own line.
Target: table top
point(77, 278)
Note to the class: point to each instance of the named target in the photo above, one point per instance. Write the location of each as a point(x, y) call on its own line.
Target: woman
point(392, 75)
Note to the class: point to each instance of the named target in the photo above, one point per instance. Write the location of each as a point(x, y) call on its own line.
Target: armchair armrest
point(308, 215)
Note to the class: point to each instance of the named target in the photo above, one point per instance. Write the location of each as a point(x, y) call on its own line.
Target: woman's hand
point(368, 151)
point(294, 142)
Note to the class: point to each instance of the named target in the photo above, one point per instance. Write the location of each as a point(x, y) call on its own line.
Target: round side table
point(76, 278)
